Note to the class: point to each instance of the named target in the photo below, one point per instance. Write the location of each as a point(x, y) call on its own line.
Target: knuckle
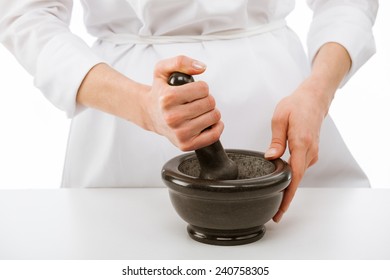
point(277, 118)
point(211, 101)
point(166, 99)
point(298, 174)
point(164, 102)
point(158, 67)
point(179, 61)
point(181, 135)
point(171, 119)
point(214, 136)
point(314, 160)
point(315, 153)
point(305, 140)
point(185, 146)
point(203, 87)
point(214, 133)
point(276, 141)
point(216, 116)
point(315, 150)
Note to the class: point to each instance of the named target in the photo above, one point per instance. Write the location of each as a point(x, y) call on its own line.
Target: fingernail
point(271, 152)
point(278, 217)
point(198, 65)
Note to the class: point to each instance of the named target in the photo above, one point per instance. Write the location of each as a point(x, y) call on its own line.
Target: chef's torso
point(247, 74)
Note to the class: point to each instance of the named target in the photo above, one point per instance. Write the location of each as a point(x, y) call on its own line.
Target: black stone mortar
point(227, 212)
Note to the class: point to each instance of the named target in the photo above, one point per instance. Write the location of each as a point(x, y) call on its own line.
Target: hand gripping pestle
point(213, 160)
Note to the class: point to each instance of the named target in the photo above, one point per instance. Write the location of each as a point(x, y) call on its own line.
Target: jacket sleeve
point(347, 22)
point(37, 33)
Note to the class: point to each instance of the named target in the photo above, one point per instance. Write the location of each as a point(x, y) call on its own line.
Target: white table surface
point(335, 223)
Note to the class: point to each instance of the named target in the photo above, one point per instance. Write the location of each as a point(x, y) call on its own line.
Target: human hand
point(297, 122)
point(182, 113)
point(298, 118)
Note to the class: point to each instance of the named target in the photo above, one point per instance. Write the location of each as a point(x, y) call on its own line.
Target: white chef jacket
point(253, 61)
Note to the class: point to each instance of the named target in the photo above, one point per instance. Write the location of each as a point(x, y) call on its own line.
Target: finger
point(183, 64)
point(184, 94)
point(279, 137)
point(198, 107)
point(298, 163)
point(288, 195)
point(178, 111)
point(205, 138)
point(194, 127)
point(312, 154)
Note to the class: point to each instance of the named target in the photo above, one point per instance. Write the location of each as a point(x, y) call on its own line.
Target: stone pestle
point(213, 160)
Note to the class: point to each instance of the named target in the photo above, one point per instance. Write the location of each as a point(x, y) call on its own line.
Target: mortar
point(226, 196)
point(227, 212)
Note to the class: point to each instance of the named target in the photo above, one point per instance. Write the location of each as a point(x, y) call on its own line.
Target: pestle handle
point(213, 160)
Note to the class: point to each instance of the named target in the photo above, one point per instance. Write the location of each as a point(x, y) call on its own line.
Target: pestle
point(213, 160)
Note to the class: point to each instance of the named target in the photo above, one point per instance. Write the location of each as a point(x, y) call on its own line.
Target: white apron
point(253, 60)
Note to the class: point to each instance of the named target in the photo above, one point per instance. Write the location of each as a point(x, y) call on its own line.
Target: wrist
point(107, 90)
point(320, 92)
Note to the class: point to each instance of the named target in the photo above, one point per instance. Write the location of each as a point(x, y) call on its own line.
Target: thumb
point(183, 64)
point(279, 139)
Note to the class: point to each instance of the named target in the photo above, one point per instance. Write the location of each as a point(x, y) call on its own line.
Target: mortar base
point(226, 237)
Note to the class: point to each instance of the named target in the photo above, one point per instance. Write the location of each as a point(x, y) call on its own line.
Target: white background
point(33, 133)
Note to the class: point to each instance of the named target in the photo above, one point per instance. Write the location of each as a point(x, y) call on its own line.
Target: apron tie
point(120, 39)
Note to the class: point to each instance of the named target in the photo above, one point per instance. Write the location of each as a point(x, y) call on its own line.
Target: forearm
point(298, 117)
point(181, 114)
point(109, 91)
point(329, 67)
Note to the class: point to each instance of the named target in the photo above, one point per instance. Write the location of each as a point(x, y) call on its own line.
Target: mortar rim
point(173, 176)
